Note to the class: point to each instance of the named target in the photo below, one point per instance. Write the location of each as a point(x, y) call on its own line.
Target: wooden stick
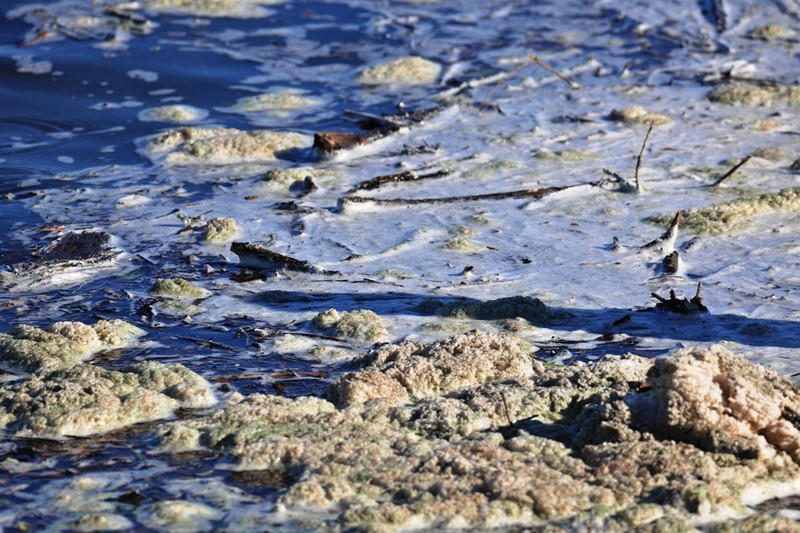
point(729, 173)
point(524, 193)
point(639, 158)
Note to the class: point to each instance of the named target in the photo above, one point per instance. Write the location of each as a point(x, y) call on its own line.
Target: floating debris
point(682, 305)
point(284, 100)
point(256, 256)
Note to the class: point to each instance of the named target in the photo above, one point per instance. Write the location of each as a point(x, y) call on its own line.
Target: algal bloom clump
point(410, 70)
point(221, 146)
point(87, 400)
point(362, 325)
point(62, 344)
point(736, 214)
point(615, 444)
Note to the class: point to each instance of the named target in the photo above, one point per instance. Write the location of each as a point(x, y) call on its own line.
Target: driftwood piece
point(682, 305)
point(258, 257)
point(407, 175)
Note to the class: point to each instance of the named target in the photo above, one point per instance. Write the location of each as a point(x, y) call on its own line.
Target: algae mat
point(337, 266)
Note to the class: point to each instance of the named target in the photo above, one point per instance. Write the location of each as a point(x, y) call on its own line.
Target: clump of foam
point(178, 288)
point(754, 94)
point(736, 214)
point(175, 114)
point(192, 145)
point(362, 324)
point(410, 70)
point(87, 400)
point(638, 115)
point(220, 230)
point(62, 344)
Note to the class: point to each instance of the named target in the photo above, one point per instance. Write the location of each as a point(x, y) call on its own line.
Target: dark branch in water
point(525, 193)
point(682, 305)
point(256, 256)
point(408, 175)
point(639, 158)
point(730, 173)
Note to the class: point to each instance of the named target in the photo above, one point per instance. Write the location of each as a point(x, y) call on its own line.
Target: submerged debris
point(361, 325)
point(62, 344)
point(682, 305)
point(609, 445)
point(88, 400)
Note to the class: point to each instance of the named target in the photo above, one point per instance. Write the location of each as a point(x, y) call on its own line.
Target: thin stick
point(569, 81)
point(525, 193)
point(408, 175)
point(505, 407)
point(531, 59)
point(729, 173)
point(639, 159)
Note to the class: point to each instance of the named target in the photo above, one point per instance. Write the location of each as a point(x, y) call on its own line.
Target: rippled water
point(72, 144)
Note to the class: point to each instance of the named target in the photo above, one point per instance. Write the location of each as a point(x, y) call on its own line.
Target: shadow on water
point(643, 322)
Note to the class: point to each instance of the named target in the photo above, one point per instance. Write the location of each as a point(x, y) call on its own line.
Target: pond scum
point(402, 274)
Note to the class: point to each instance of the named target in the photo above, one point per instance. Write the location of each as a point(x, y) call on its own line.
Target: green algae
point(212, 8)
point(288, 99)
point(411, 70)
point(638, 115)
point(220, 230)
point(179, 516)
point(755, 94)
point(178, 288)
point(736, 214)
point(87, 400)
point(175, 114)
point(564, 155)
point(62, 344)
point(215, 145)
point(531, 309)
point(590, 445)
point(362, 325)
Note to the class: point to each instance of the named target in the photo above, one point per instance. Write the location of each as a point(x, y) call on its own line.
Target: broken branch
point(639, 158)
point(408, 175)
point(729, 173)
